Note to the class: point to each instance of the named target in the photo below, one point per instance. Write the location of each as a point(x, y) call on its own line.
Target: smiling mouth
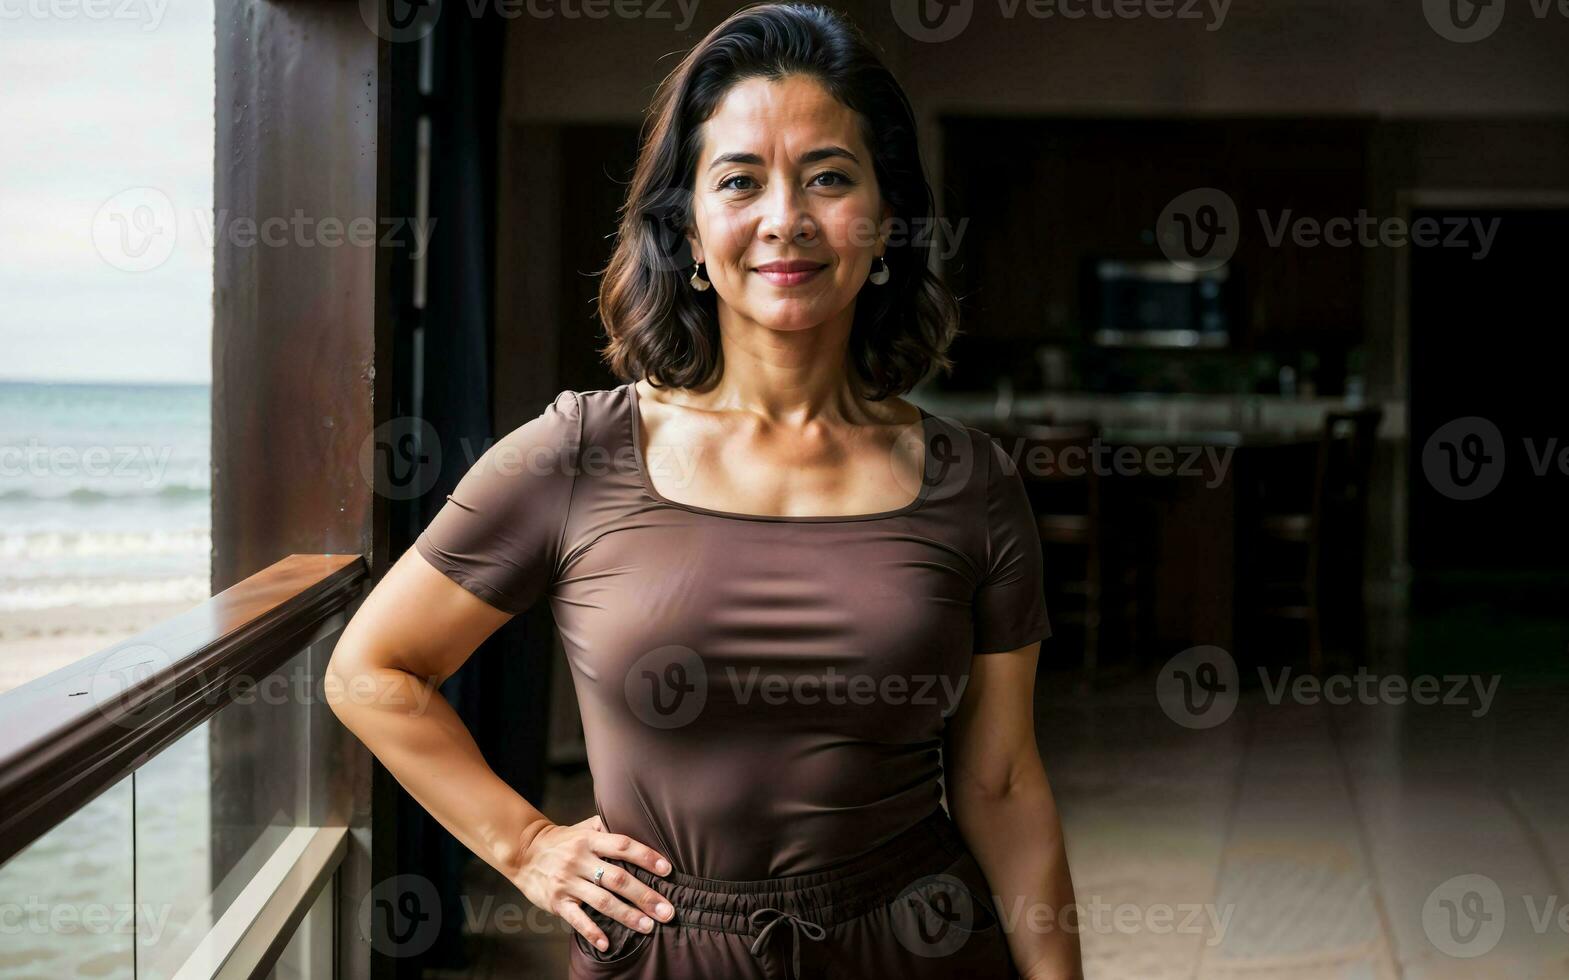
point(791, 277)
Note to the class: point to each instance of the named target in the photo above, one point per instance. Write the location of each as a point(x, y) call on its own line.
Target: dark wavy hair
point(662, 329)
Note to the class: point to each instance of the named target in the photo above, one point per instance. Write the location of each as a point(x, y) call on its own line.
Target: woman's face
point(784, 177)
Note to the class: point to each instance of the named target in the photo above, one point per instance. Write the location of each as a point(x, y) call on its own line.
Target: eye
point(838, 177)
point(725, 184)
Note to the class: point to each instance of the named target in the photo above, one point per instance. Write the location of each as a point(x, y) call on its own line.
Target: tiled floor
point(1360, 841)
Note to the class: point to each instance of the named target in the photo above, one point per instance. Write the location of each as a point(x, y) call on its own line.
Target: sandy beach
point(35, 642)
point(91, 853)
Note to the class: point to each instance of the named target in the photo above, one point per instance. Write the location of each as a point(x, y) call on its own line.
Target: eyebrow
point(811, 156)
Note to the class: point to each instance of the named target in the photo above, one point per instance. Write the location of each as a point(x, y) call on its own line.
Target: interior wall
point(1268, 56)
point(1494, 113)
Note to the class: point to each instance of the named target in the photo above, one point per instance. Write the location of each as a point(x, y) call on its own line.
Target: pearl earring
point(699, 281)
point(881, 273)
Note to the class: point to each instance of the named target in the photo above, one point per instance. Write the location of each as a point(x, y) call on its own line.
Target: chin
point(793, 321)
point(796, 312)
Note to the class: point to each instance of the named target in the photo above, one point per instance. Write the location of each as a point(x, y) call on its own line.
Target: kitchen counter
point(1154, 418)
point(1191, 509)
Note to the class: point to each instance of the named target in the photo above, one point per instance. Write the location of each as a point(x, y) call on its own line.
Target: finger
point(609, 905)
point(579, 920)
point(623, 882)
point(633, 852)
point(599, 823)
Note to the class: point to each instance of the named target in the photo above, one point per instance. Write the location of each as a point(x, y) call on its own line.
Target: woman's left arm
point(999, 798)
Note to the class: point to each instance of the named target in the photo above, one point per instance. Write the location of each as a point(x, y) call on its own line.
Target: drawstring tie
point(798, 925)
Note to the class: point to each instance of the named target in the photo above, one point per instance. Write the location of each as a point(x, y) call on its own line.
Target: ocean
point(104, 494)
point(104, 503)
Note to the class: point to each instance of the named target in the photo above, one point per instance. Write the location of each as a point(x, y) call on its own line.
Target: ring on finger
point(599, 873)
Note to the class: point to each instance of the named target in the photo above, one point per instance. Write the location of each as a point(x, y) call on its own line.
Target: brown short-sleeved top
point(760, 695)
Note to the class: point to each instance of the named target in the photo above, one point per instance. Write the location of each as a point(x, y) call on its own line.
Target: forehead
point(793, 114)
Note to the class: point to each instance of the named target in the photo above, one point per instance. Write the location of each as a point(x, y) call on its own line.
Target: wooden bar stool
point(1067, 493)
point(1330, 533)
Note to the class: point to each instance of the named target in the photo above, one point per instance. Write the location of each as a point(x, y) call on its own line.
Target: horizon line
point(105, 381)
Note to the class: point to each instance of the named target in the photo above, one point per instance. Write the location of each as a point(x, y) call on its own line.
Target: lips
point(790, 273)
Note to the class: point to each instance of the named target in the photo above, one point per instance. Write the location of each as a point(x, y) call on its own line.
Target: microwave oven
point(1156, 303)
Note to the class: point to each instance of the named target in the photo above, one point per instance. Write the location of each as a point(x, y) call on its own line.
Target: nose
point(786, 218)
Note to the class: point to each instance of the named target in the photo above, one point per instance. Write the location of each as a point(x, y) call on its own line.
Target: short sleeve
point(499, 533)
point(1010, 602)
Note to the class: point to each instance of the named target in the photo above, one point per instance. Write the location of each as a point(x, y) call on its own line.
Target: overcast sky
point(106, 121)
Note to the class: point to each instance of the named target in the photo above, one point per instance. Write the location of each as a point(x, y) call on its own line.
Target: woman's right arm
point(413, 631)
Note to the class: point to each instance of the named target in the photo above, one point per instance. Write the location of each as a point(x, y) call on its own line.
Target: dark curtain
point(499, 700)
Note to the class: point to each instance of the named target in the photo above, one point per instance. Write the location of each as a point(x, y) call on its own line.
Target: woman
point(769, 575)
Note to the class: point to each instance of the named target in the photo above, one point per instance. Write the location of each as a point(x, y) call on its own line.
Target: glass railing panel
point(67, 901)
point(212, 808)
point(309, 953)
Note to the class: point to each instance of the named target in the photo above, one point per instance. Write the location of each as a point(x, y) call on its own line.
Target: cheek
point(850, 229)
point(725, 236)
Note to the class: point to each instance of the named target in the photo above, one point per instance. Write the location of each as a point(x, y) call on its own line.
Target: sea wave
point(54, 545)
point(99, 593)
point(172, 492)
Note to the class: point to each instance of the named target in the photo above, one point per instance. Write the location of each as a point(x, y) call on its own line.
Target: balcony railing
point(179, 805)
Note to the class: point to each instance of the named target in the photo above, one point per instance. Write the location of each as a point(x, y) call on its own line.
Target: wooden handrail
point(71, 734)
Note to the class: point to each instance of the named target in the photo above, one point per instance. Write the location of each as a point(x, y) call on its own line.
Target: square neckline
point(927, 468)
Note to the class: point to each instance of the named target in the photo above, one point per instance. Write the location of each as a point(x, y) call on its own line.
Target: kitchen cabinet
point(1041, 197)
